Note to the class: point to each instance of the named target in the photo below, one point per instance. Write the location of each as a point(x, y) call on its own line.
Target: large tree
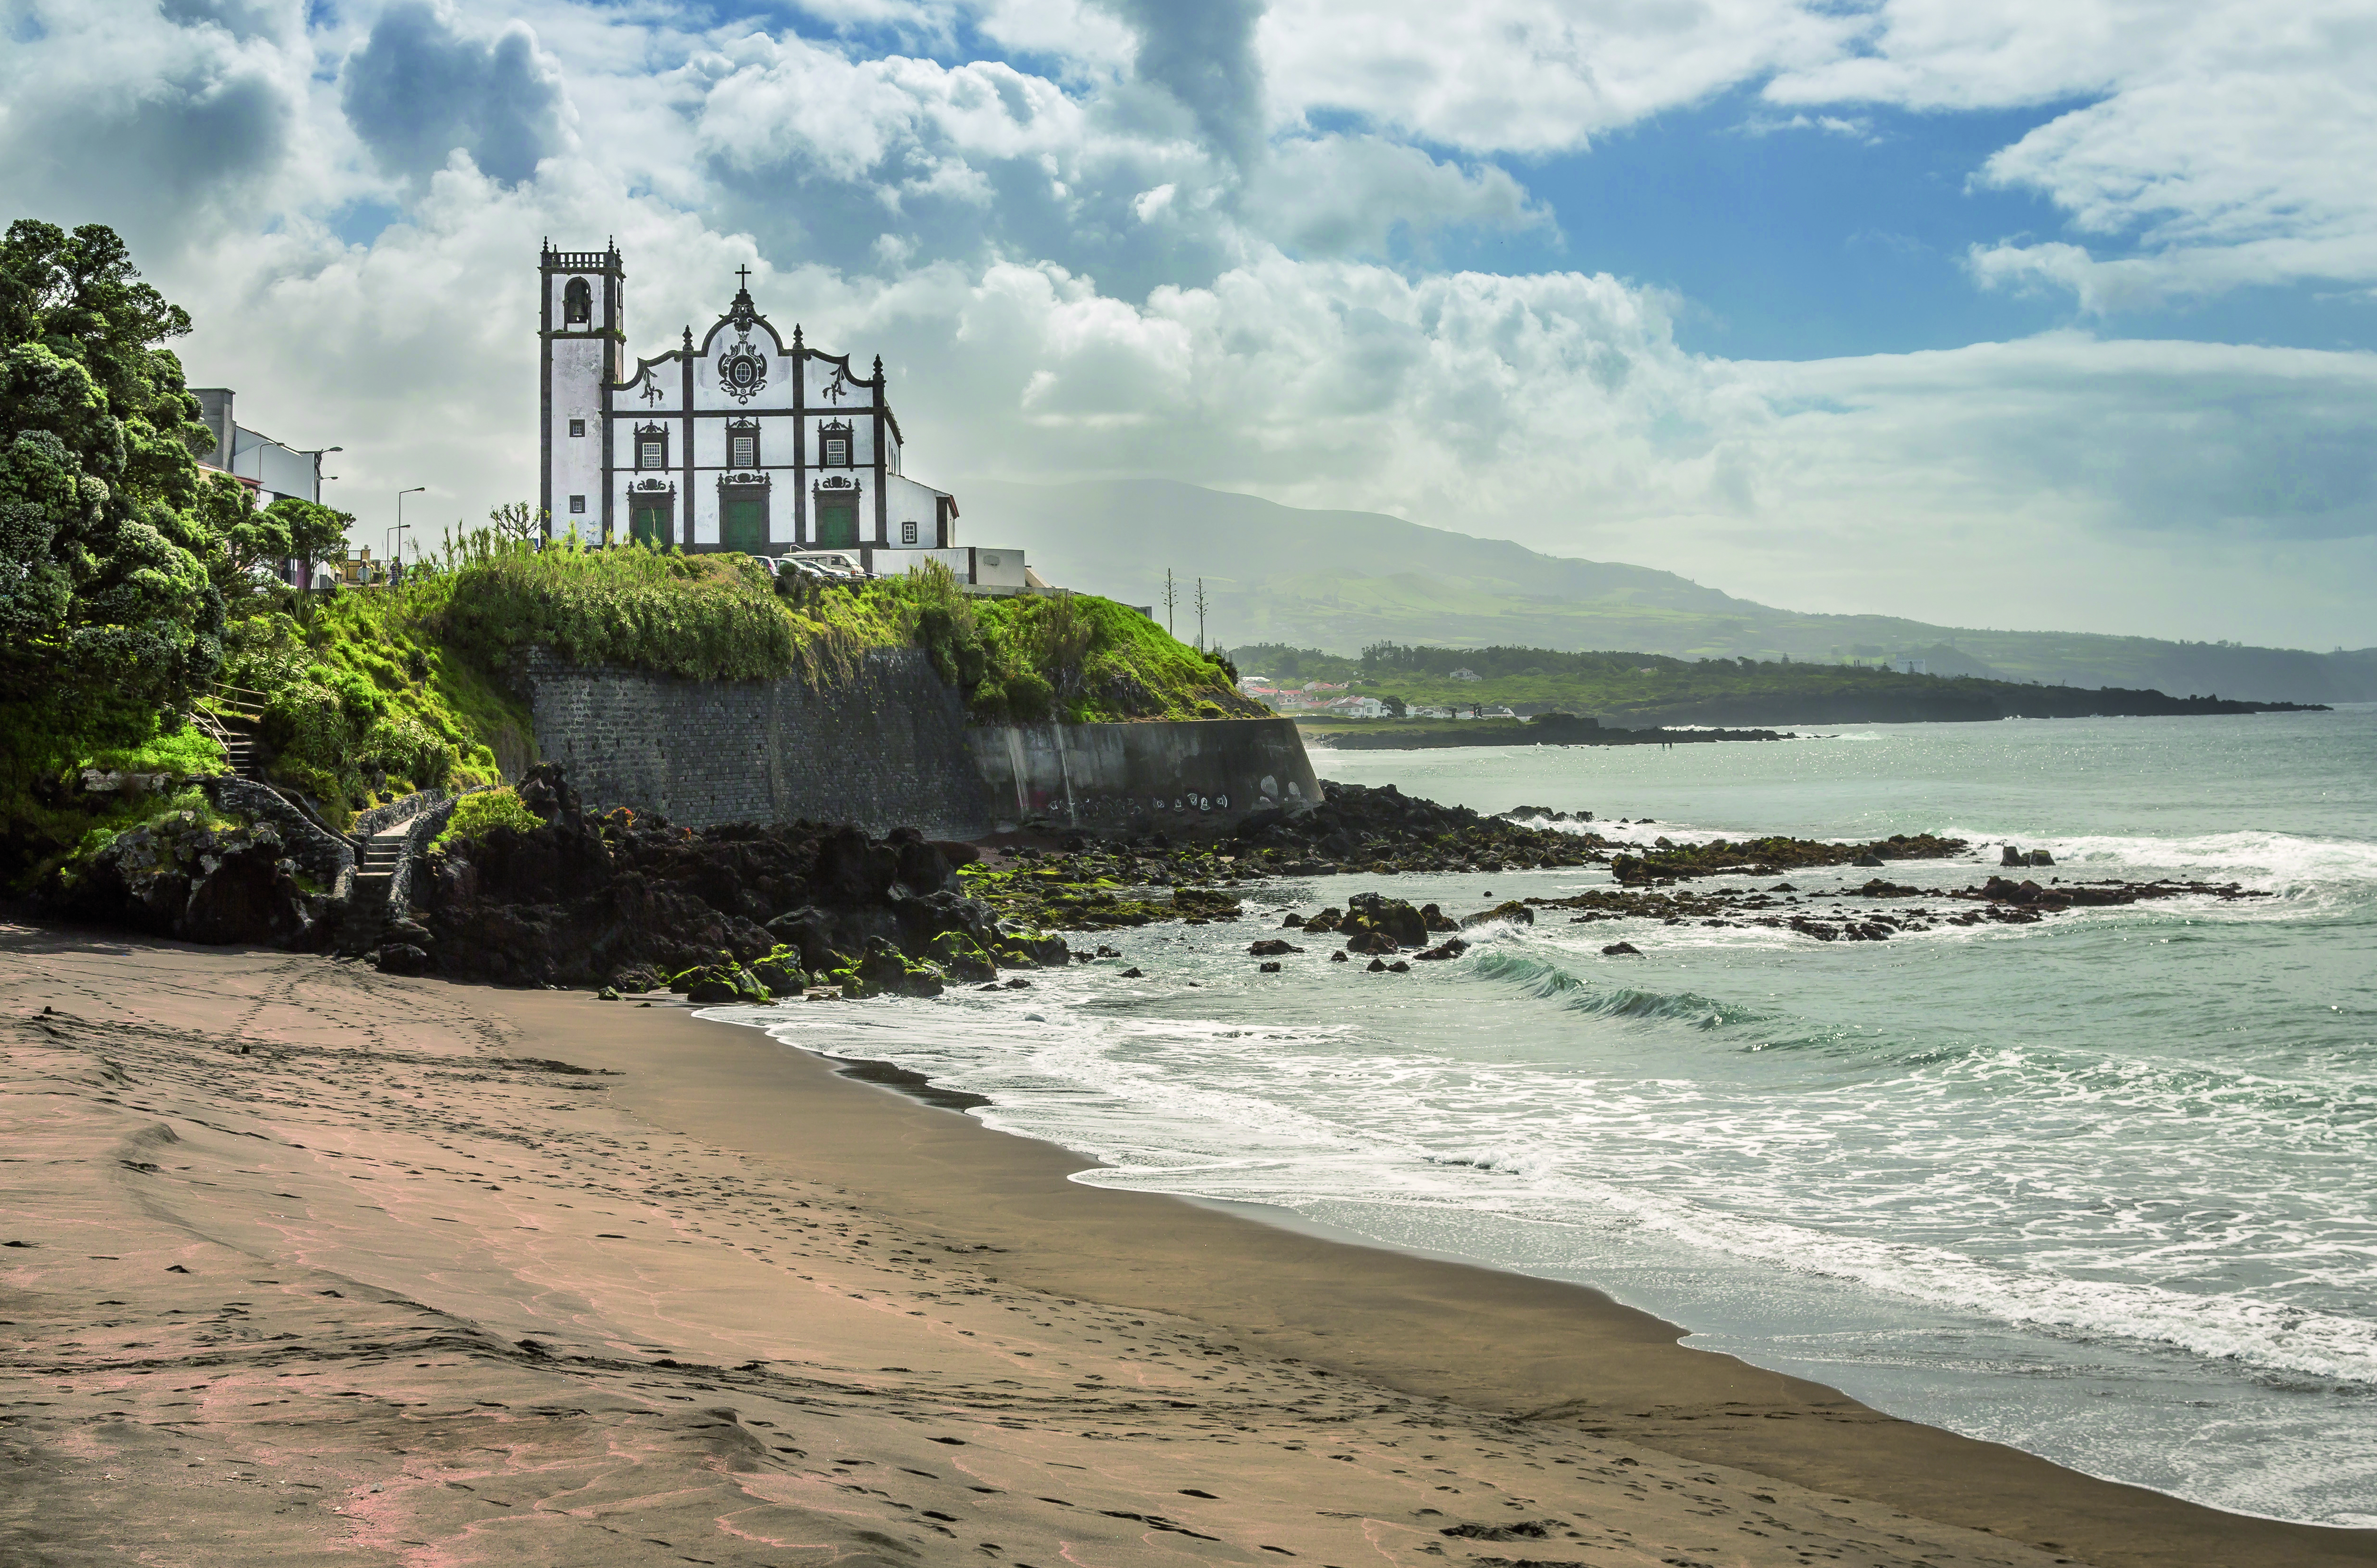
point(105, 595)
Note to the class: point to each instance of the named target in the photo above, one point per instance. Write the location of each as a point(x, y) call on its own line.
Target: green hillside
point(1344, 580)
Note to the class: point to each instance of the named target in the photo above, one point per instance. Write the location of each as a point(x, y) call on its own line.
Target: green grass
point(364, 702)
point(1072, 657)
point(185, 751)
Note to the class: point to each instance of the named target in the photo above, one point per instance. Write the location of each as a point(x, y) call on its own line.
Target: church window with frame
point(652, 446)
point(908, 531)
point(833, 445)
point(743, 444)
point(578, 303)
point(577, 427)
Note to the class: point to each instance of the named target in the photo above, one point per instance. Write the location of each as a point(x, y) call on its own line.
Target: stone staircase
point(376, 863)
point(239, 746)
point(234, 717)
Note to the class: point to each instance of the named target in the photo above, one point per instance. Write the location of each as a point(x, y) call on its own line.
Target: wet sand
point(307, 1263)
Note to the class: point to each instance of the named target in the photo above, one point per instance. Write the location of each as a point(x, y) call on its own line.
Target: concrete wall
point(885, 750)
point(1113, 777)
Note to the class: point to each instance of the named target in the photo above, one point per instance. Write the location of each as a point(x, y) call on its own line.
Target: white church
point(741, 441)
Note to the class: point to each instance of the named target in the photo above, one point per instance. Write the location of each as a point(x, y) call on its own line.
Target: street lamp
point(401, 524)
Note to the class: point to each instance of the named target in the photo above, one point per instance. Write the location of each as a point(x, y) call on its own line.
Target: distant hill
point(1343, 579)
point(1638, 691)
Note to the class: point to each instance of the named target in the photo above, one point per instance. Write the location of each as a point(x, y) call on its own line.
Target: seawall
point(1134, 776)
point(886, 748)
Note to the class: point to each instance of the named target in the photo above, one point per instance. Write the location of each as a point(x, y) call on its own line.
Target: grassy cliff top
point(724, 617)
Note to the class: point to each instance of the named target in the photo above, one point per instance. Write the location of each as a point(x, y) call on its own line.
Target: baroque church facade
point(740, 440)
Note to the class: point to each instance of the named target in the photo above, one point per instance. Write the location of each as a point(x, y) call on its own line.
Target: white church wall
point(905, 501)
point(861, 436)
point(577, 459)
point(789, 398)
point(827, 386)
point(773, 389)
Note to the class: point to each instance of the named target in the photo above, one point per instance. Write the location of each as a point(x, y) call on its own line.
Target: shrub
point(481, 813)
point(712, 617)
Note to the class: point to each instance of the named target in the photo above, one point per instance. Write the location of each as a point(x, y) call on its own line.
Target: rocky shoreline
point(624, 904)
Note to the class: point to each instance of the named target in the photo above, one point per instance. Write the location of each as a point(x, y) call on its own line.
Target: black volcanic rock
point(588, 900)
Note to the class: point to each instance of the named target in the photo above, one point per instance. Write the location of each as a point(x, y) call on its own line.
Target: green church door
point(838, 526)
point(743, 523)
point(648, 522)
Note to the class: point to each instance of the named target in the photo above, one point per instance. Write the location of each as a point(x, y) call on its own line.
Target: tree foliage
point(104, 549)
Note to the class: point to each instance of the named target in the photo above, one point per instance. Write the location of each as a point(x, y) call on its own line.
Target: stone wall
point(423, 826)
point(1134, 777)
point(329, 859)
point(365, 824)
point(886, 748)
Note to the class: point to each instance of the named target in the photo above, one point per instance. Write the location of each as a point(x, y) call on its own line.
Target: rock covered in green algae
point(960, 958)
point(884, 970)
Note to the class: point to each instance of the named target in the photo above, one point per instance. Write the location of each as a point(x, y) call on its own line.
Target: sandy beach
point(306, 1263)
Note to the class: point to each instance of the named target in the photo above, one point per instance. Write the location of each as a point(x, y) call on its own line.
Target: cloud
point(1529, 76)
point(422, 89)
point(1336, 195)
point(170, 120)
point(2213, 154)
point(1203, 54)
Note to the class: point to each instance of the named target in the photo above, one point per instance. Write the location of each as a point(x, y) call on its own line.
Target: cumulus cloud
point(423, 88)
point(2212, 154)
point(170, 119)
point(1339, 195)
point(1530, 75)
point(1203, 54)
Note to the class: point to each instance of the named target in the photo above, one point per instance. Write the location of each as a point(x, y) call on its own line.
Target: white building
point(739, 441)
point(266, 467)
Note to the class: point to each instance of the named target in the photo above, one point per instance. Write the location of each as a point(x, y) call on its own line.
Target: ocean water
point(2103, 1188)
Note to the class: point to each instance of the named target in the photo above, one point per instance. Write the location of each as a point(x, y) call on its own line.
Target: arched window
point(576, 302)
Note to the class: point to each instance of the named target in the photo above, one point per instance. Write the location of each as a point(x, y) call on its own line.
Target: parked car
point(820, 566)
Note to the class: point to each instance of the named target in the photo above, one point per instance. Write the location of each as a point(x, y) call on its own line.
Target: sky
point(2005, 312)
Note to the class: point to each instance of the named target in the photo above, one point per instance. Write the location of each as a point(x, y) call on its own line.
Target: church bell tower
point(585, 333)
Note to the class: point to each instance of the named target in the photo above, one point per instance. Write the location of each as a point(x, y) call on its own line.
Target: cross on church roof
point(743, 273)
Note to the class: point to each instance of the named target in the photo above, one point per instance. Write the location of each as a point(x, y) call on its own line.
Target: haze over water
point(2098, 1187)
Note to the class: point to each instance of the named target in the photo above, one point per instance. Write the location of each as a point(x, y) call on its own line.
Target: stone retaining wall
point(425, 825)
point(885, 749)
point(1130, 778)
point(380, 818)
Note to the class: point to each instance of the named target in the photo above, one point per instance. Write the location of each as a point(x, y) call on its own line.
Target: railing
point(239, 702)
